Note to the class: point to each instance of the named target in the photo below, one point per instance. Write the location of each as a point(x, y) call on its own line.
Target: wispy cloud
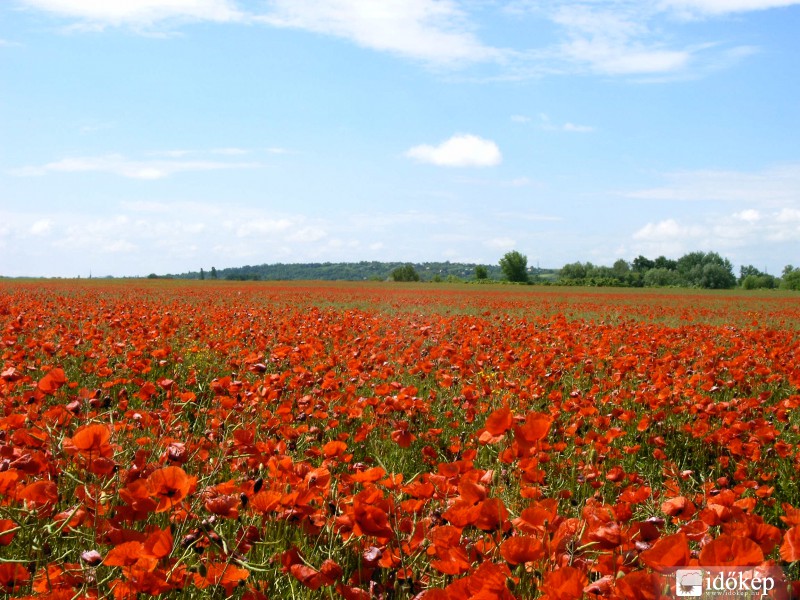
point(516, 182)
point(117, 164)
point(620, 38)
point(437, 32)
point(632, 39)
point(615, 40)
point(748, 235)
point(41, 227)
point(138, 12)
point(501, 243)
point(773, 186)
point(434, 31)
point(461, 150)
point(722, 7)
point(546, 124)
point(526, 216)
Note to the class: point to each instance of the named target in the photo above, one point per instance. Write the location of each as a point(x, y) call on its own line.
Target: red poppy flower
point(12, 577)
point(730, 550)
point(790, 549)
point(170, 485)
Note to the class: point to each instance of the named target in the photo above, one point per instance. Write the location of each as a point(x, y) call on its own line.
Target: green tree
point(202, 273)
point(661, 277)
point(481, 272)
point(706, 270)
point(791, 278)
point(750, 278)
point(515, 266)
point(662, 262)
point(405, 273)
point(747, 270)
point(642, 264)
point(213, 272)
point(576, 270)
point(621, 270)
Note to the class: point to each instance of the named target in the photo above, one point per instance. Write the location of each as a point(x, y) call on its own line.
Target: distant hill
point(360, 271)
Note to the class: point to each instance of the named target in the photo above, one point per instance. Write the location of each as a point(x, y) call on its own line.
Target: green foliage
point(642, 264)
point(356, 271)
point(405, 273)
point(621, 269)
point(515, 266)
point(665, 263)
point(696, 269)
point(213, 273)
point(575, 270)
point(750, 278)
point(661, 278)
point(759, 282)
point(791, 278)
point(706, 270)
point(620, 274)
point(481, 272)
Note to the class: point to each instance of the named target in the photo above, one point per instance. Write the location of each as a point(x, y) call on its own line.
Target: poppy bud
point(257, 485)
point(91, 557)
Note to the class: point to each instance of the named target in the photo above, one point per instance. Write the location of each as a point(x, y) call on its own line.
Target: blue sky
point(165, 136)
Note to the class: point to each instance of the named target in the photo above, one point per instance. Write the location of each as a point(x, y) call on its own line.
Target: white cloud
point(547, 125)
point(262, 227)
point(613, 39)
point(230, 151)
point(119, 246)
point(525, 216)
point(721, 7)
point(667, 230)
point(501, 243)
point(747, 236)
point(573, 128)
point(609, 37)
point(138, 12)
point(628, 38)
point(517, 182)
point(434, 31)
point(750, 215)
point(520, 119)
point(94, 127)
point(462, 150)
point(41, 227)
point(776, 185)
point(609, 59)
point(306, 234)
point(117, 164)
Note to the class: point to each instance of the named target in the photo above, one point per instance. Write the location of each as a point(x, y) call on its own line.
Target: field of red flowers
point(214, 440)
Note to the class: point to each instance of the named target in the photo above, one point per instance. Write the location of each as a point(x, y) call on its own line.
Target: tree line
point(706, 270)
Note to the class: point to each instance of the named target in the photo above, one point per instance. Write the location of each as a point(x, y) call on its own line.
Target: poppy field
point(276, 440)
